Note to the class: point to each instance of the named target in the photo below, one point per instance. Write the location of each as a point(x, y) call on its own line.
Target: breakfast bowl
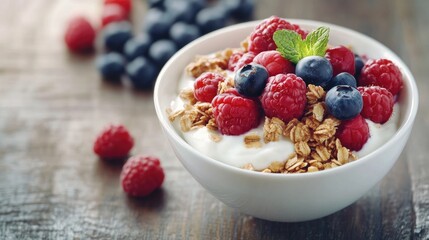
point(285, 197)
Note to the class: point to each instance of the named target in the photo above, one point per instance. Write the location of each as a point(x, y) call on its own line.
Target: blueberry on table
point(162, 50)
point(210, 19)
point(241, 10)
point(358, 65)
point(116, 34)
point(251, 79)
point(314, 70)
point(344, 102)
point(181, 10)
point(111, 66)
point(182, 33)
point(142, 73)
point(137, 46)
point(343, 78)
point(157, 23)
point(155, 3)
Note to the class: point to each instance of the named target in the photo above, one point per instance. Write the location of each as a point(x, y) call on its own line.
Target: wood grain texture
point(53, 103)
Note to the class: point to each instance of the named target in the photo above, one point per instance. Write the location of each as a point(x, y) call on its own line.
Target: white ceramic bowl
point(285, 197)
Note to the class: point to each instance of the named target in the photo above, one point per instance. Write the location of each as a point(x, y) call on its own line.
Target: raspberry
point(245, 59)
point(113, 13)
point(125, 4)
point(383, 73)
point(377, 103)
point(141, 175)
point(261, 39)
point(234, 114)
point(284, 97)
point(233, 59)
point(342, 60)
point(206, 85)
point(274, 62)
point(79, 35)
point(113, 142)
point(353, 133)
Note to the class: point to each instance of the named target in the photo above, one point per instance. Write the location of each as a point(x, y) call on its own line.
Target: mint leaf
point(317, 42)
point(288, 44)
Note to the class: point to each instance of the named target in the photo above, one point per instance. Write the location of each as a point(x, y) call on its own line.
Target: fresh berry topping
point(343, 78)
point(358, 65)
point(244, 60)
point(233, 59)
point(206, 86)
point(353, 133)
point(79, 35)
point(183, 33)
point(274, 62)
point(211, 18)
point(141, 175)
point(137, 46)
point(383, 73)
point(261, 39)
point(111, 66)
point(342, 59)
point(284, 97)
point(116, 34)
point(314, 70)
point(234, 114)
point(142, 73)
point(113, 13)
point(250, 80)
point(114, 142)
point(161, 51)
point(125, 4)
point(343, 102)
point(377, 103)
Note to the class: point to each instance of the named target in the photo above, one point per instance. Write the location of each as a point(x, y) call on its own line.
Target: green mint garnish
point(292, 47)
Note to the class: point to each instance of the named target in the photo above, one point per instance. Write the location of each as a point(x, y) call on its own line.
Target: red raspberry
point(342, 59)
point(206, 85)
point(383, 73)
point(234, 114)
point(113, 13)
point(353, 133)
point(244, 60)
point(284, 97)
point(125, 4)
point(113, 142)
point(274, 62)
point(232, 62)
point(377, 103)
point(141, 175)
point(261, 39)
point(79, 35)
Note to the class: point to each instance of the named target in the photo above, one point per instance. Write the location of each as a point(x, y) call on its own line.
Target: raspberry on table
point(261, 39)
point(284, 97)
point(79, 35)
point(234, 114)
point(342, 59)
point(274, 62)
point(233, 59)
point(244, 60)
point(353, 133)
point(377, 103)
point(381, 72)
point(113, 13)
point(113, 142)
point(125, 4)
point(141, 175)
point(206, 86)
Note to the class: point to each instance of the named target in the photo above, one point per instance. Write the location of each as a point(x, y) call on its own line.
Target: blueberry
point(142, 73)
point(182, 33)
point(111, 66)
point(343, 78)
point(157, 23)
point(314, 70)
point(358, 65)
point(116, 34)
point(251, 79)
point(162, 50)
point(210, 19)
point(181, 10)
point(242, 10)
point(196, 5)
point(344, 102)
point(155, 3)
point(137, 46)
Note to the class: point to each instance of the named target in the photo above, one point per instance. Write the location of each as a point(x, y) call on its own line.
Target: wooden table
point(52, 105)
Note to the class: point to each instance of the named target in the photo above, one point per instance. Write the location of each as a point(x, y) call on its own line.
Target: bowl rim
point(401, 132)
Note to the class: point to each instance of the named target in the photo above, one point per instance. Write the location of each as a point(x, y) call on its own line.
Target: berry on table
point(182, 33)
point(314, 70)
point(114, 142)
point(377, 103)
point(284, 97)
point(241, 10)
point(344, 102)
point(211, 18)
point(181, 11)
point(157, 23)
point(116, 34)
point(111, 66)
point(343, 78)
point(125, 4)
point(234, 114)
point(113, 13)
point(274, 62)
point(381, 72)
point(79, 35)
point(353, 133)
point(137, 46)
point(250, 80)
point(206, 86)
point(342, 59)
point(141, 175)
point(161, 51)
point(142, 73)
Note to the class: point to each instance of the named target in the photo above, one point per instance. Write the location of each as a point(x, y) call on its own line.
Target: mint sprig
point(292, 47)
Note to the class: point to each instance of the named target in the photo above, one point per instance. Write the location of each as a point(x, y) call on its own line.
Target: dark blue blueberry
point(343, 78)
point(116, 34)
point(137, 46)
point(251, 79)
point(157, 23)
point(314, 70)
point(196, 5)
point(242, 10)
point(162, 50)
point(181, 10)
point(155, 4)
point(344, 102)
point(213, 18)
point(358, 65)
point(182, 33)
point(142, 73)
point(111, 66)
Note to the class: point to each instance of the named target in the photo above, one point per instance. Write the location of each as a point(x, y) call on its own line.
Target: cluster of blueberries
point(167, 26)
